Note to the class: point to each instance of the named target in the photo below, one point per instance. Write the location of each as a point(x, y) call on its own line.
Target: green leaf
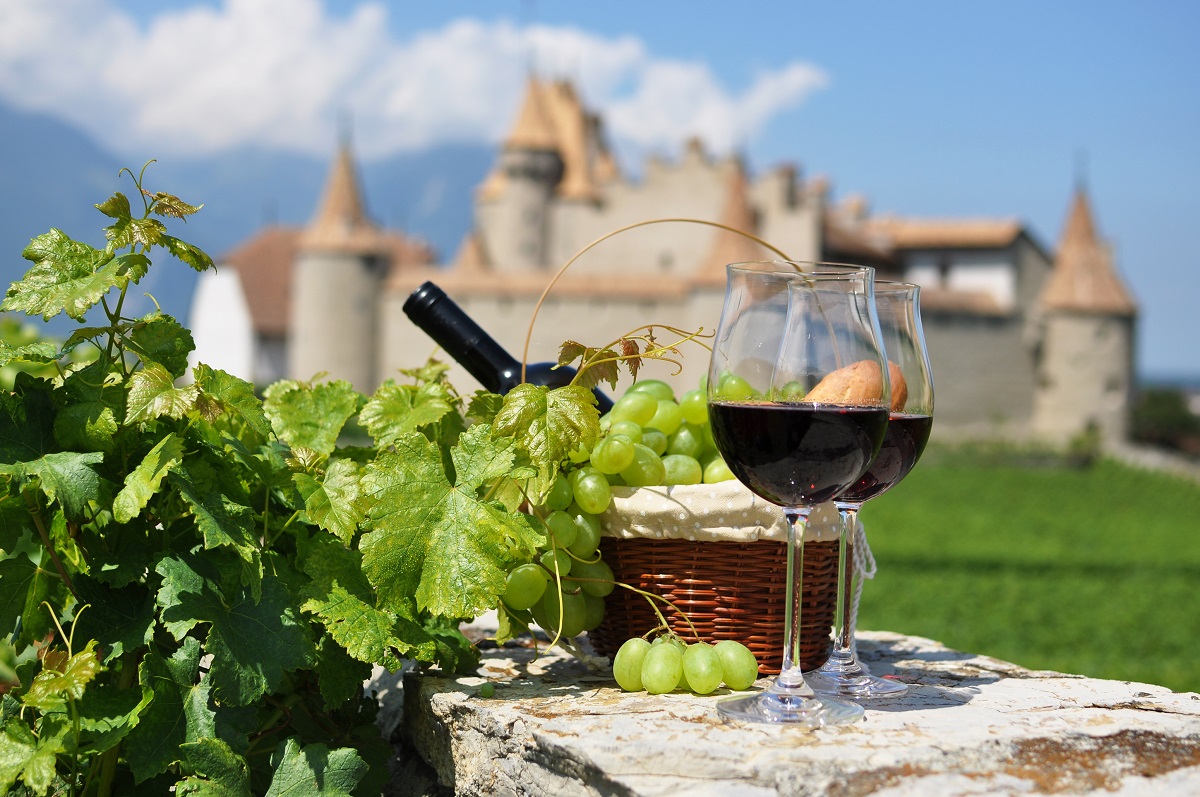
point(25, 756)
point(222, 523)
point(334, 502)
point(158, 338)
point(39, 351)
point(15, 523)
point(484, 406)
point(165, 204)
point(310, 417)
point(116, 207)
point(64, 477)
point(178, 712)
point(90, 426)
point(369, 634)
point(26, 424)
point(120, 620)
point(190, 255)
point(131, 231)
point(235, 395)
point(396, 410)
point(218, 771)
point(144, 481)
point(339, 676)
point(23, 588)
point(67, 276)
point(549, 424)
point(152, 394)
point(314, 770)
point(51, 689)
point(252, 643)
point(439, 543)
point(108, 713)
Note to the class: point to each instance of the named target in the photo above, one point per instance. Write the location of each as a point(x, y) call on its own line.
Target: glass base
point(845, 677)
point(801, 711)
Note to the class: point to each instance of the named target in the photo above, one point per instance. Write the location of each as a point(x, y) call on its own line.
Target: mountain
point(51, 175)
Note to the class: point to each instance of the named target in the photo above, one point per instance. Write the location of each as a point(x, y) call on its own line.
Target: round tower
point(336, 287)
point(1086, 357)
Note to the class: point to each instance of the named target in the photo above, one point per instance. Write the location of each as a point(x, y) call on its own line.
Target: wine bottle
point(457, 333)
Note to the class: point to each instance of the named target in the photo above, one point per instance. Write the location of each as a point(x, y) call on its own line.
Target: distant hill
point(51, 174)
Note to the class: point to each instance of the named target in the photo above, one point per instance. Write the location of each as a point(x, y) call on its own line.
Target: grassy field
point(1085, 570)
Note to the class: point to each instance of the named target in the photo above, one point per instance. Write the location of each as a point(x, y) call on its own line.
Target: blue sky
point(926, 108)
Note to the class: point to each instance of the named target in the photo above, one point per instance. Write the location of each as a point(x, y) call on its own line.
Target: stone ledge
point(969, 725)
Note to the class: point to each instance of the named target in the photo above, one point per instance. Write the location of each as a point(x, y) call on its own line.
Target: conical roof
point(738, 213)
point(341, 222)
point(1084, 277)
point(534, 127)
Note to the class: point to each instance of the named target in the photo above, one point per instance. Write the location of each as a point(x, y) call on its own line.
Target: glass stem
point(790, 677)
point(847, 584)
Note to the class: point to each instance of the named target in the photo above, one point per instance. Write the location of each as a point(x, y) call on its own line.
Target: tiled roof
point(1084, 278)
point(907, 233)
point(264, 266)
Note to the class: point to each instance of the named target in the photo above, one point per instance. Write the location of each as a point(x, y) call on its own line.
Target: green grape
point(627, 664)
point(694, 406)
point(563, 527)
point(628, 428)
point(657, 388)
point(734, 388)
point(647, 469)
point(655, 440)
point(682, 469)
point(636, 407)
point(560, 496)
point(666, 418)
point(717, 471)
point(487, 689)
point(589, 533)
point(593, 611)
point(688, 439)
point(702, 668)
point(613, 454)
point(662, 668)
point(564, 611)
point(598, 574)
point(792, 391)
point(559, 556)
point(524, 586)
point(591, 489)
point(739, 668)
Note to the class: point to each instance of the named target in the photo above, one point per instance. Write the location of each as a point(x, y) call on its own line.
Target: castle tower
point(515, 201)
point(1086, 364)
point(338, 279)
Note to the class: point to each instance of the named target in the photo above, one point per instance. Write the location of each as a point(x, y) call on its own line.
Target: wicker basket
point(729, 581)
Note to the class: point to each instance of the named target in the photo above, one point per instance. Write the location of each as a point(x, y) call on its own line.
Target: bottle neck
point(451, 328)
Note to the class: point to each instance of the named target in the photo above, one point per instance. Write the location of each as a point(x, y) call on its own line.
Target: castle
point(1024, 344)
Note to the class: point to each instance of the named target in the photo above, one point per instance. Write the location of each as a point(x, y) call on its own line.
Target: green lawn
point(1085, 570)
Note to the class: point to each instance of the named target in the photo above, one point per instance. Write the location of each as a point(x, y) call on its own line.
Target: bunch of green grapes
point(668, 664)
point(648, 439)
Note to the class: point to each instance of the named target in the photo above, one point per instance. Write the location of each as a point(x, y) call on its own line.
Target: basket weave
point(729, 590)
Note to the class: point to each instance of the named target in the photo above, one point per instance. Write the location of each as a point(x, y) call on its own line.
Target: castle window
point(944, 266)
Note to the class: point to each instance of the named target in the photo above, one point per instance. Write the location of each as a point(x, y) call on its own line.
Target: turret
point(338, 280)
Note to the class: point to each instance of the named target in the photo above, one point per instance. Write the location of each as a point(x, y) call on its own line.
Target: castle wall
point(1086, 377)
point(334, 325)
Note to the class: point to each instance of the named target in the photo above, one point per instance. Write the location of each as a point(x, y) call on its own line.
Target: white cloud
point(283, 73)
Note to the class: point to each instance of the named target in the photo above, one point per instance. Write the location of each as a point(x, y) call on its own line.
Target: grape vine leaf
point(52, 688)
point(15, 523)
point(23, 588)
point(549, 424)
point(310, 417)
point(152, 394)
point(315, 770)
point(69, 276)
point(65, 477)
point(119, 619)
point(218, 771)
point(39, 351)
point(25, 756)
point(108, 713)
point(235, 395)
point(159, 338)
point(436, 543)
point(253, 643)
point(395, 410)
point(26, 423)
point(221, 522)
point(333, 502)
point(190, 255)
point(143, 482)
point(178, 710)
point(339, 676)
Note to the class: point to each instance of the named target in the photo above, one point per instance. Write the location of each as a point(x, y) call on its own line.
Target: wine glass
point(771, 355)
point(909, 423)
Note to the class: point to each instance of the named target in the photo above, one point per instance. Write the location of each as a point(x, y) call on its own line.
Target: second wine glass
point(909, 423)
point(798, 404)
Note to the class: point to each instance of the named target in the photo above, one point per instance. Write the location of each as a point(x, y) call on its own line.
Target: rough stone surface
point(969, 725)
